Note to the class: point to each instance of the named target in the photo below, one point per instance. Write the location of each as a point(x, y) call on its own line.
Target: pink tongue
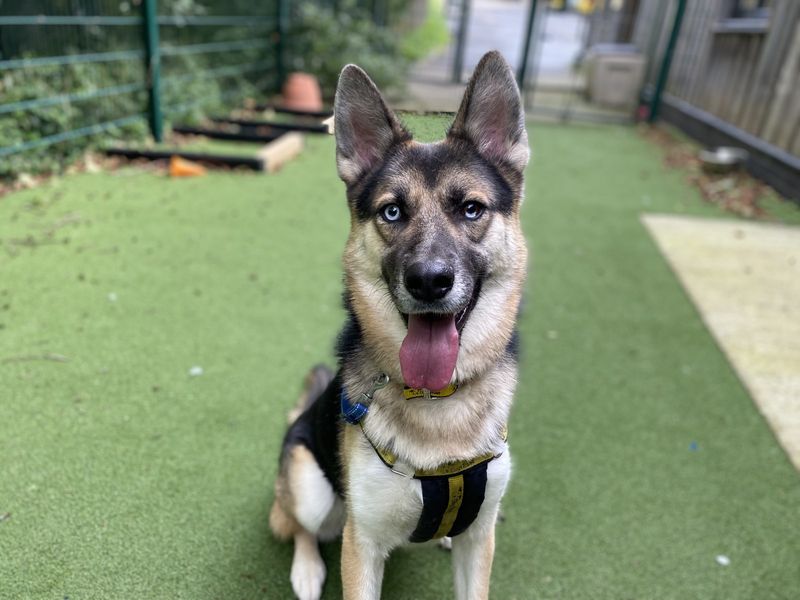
point(429, 352)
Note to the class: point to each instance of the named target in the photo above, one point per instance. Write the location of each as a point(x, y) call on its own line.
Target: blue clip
point(352, 413)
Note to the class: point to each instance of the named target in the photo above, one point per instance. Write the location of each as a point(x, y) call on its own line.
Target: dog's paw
point(307, 577)
point(446, 543)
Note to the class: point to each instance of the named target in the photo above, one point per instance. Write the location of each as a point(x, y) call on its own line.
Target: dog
point(406, 442)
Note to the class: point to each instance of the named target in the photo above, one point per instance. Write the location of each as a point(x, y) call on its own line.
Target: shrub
point(321, 41)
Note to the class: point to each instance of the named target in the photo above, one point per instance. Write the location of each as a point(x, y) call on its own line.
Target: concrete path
point(495, 25)
point(744, 278)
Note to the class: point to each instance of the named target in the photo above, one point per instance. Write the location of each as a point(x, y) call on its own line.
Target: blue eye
point(472, 210)
point(391, 213)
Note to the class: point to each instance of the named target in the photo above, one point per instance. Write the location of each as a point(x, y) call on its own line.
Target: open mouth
point(429, 352)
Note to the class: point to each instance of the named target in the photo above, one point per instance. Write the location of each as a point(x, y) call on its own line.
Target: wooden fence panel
point(748, 76)
point(783, 118)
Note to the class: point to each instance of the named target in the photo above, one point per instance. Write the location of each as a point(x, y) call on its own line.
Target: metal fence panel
point(74, 69)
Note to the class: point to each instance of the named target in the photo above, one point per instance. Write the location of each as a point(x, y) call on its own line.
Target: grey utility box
point(616, 74)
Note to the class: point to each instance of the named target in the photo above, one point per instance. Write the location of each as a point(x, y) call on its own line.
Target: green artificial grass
point(638, 455)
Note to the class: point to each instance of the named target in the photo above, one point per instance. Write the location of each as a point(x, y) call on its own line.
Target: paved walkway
point(495, 25)
point(744, 278)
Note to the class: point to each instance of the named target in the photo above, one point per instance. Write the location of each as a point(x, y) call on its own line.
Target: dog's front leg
point(362, 566)
point(473, 552)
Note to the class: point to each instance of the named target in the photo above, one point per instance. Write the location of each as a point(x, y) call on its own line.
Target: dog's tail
point(316, 382)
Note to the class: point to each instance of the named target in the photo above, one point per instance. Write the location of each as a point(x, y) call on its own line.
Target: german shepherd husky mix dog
point(407, 441)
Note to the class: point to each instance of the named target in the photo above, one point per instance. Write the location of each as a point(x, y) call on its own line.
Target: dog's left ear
point(364, 126)
point(491, 114)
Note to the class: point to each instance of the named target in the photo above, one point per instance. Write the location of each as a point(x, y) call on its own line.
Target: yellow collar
point(411, 393)
point(447, 469)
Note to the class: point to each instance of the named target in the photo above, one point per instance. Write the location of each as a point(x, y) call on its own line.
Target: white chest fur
point(386, 506)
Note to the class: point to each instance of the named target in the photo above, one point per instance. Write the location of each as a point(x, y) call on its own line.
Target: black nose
point(429, 281)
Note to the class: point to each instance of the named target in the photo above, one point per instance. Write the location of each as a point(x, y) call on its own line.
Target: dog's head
point(435, 260)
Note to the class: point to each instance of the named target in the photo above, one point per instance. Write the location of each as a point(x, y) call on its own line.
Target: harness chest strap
point(452, 493)
point(448, 469)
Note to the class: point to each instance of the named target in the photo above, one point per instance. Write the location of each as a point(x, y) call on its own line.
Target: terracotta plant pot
point(301, 91)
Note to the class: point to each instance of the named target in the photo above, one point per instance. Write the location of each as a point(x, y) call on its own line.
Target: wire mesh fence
point(73, 69)
point(70, 70)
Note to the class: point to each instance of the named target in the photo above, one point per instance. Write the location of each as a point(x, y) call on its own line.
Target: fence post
point(461, 41)
point(379, 12)
point(153, 69)
point(663, 73)
point(523, 63)
point(281, 25)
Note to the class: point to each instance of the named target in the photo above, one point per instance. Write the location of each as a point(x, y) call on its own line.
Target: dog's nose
point(429, 281)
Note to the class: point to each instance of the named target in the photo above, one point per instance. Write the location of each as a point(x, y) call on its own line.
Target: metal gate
point(574, 59)
point(580, 63)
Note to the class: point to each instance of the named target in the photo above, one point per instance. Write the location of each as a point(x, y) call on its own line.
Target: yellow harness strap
point(452, 493)
point(448, 469)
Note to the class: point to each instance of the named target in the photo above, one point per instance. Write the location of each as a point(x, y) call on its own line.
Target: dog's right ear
point(364, 126)
point(491, 114)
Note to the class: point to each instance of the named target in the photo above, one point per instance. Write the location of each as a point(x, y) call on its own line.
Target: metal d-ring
point(381, 380)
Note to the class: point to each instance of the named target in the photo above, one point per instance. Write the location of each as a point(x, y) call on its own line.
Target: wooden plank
point(746, 80)
point(317, 114)
point(791, 113)
point(281, 127)
point(716, 82)
point(707, 15)
point(787, 93)
point(277, 153)
point(726, 64)
point(220, 160)
point(699, 80)
point(795, 149)
point(692, 47)
point(713, 11)
point(677, 73)
point(741, 50)
point(753, 95)
point(786, 14)
point(220, 134)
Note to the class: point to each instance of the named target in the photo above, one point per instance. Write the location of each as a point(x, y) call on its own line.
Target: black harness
point(452, 493)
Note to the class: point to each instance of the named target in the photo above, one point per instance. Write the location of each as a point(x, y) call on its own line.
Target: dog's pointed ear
point(364, 126)
point(491, 114)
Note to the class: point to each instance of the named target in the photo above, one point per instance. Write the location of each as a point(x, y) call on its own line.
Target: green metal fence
point(72, 69)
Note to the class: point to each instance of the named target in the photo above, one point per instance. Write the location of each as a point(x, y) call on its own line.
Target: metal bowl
point(723, 159)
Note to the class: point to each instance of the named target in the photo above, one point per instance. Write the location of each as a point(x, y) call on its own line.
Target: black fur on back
point(318, 430)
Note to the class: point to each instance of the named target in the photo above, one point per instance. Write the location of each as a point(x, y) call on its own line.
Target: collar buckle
point(354, 412)
point(403, 469)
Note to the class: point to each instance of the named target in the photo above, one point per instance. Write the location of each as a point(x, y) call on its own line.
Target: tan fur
point(485, 570)
point(315, 382)
point(351, 572)
point(282, 524)
point(436, 182)
point(370, 301)
point(281, 520)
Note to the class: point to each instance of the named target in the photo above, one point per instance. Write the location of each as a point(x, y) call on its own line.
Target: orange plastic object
point(180, 167)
